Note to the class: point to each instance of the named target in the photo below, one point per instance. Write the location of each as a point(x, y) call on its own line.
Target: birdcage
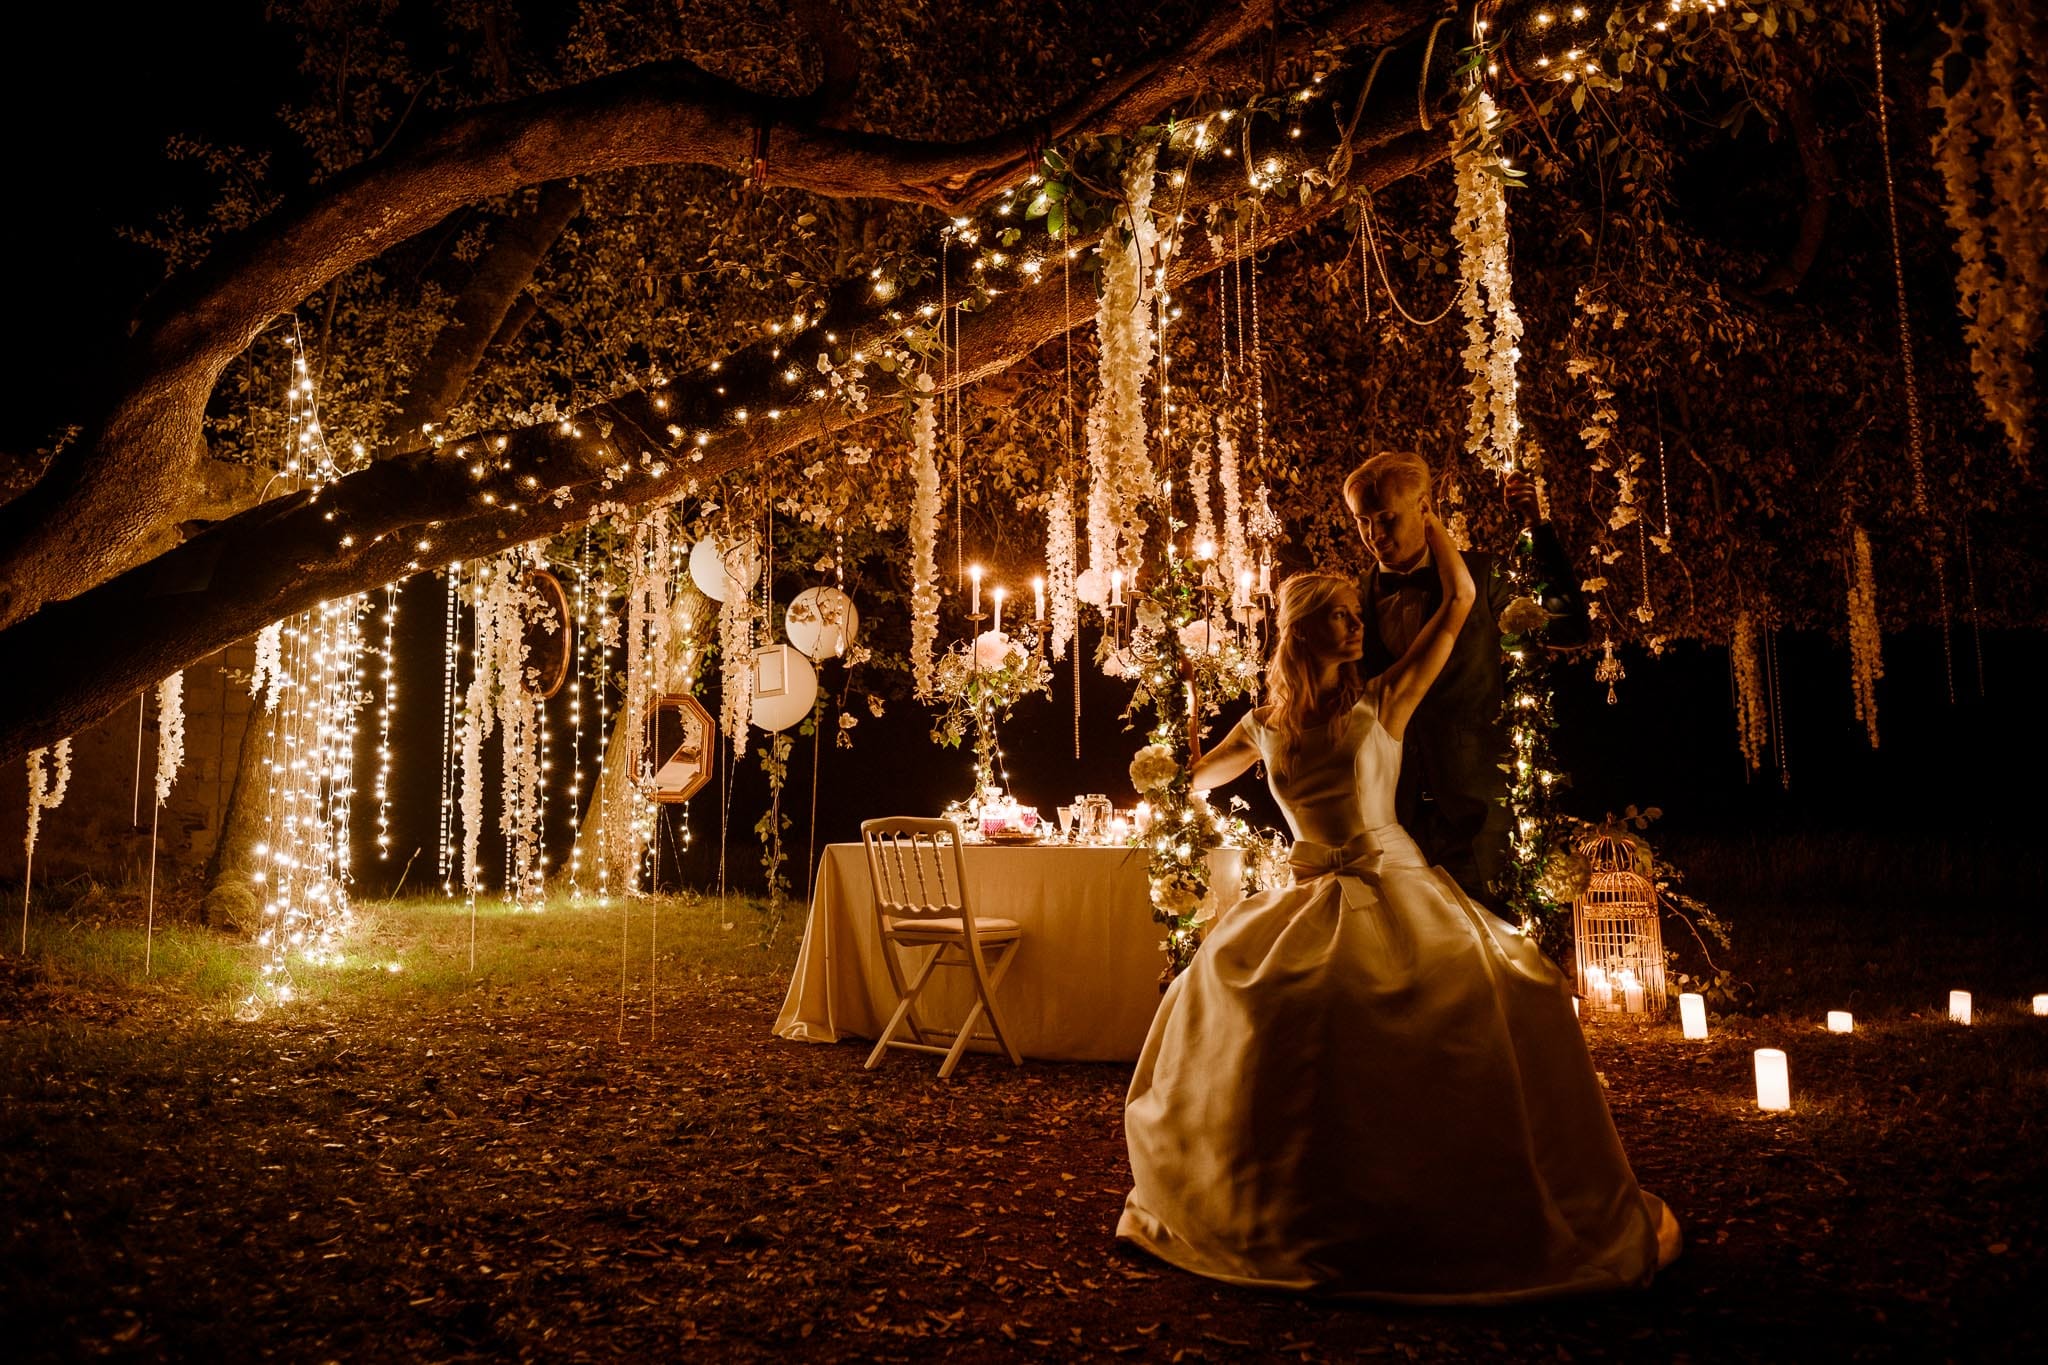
point(1614, 925)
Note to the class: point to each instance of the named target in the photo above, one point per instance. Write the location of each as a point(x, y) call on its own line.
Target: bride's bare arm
point(1229, 760)
point(1403, 685)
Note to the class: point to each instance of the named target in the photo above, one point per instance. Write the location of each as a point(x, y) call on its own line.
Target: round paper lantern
point(719, 571)
point(785, 686)
point(822, 622)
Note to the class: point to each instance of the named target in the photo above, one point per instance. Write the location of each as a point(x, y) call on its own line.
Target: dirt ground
point(489, 1172)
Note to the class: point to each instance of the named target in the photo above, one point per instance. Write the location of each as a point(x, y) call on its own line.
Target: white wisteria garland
point(1123, 322)
point(1866, 643)
point(45, 792)
point(1059, 564)
point(1093, 585)
point(1752, 705)
point(170, 733)
point(1493, 330)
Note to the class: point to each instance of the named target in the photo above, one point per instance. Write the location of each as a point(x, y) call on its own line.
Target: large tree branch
point(484, 493)
point(127, 479)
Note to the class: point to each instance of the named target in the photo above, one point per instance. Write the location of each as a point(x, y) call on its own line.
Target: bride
point(1366, 1084)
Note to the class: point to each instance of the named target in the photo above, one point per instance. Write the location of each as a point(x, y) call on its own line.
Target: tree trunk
point(232, 900)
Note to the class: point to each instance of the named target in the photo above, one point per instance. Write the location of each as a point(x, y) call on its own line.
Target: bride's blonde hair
point(1290, 677)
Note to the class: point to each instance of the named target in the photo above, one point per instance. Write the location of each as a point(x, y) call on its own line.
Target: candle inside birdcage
point(1614, 926)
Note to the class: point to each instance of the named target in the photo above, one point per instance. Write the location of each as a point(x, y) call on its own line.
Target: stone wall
point(103, 829)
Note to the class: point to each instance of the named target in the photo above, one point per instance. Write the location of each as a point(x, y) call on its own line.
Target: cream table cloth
point(1085, 982)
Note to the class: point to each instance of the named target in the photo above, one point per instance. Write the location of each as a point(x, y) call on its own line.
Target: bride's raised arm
point(1232, 756)
point(1402, 686)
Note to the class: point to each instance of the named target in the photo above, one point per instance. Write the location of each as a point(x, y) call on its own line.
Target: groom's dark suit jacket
point(1453, 789)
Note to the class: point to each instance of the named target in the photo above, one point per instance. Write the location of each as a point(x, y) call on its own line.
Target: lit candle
point(2041, 1004)
point(1038, 595)
point(1116, 587)
point(999, 594)
point(1841, 1021)
point(1265, 577)
point(974, 577)
point(1692, 1014)
point(1959, 1006)
point(1773, 1081)
point(1244, 588)
point(1631, 992)
point(1205, 549)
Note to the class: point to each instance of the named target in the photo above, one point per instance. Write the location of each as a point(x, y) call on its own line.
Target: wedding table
point(1085, 982)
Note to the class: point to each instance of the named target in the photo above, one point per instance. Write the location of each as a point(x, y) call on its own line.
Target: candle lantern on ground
point(1614, 924)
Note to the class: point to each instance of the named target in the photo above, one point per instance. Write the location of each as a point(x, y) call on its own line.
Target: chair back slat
point(916, 869)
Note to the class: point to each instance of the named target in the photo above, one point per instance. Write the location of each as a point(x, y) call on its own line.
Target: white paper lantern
point(1959, 1006)
point(2041, 1004)
point(785, 686)
point(719, 571)
point(1773, 1081)
point(1841, 1021)
point(822, 622)
point(1692, 1014)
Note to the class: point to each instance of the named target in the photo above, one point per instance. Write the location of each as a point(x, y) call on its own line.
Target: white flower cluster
point(1752, 707)
point(1179, 890)
point(1124, 325)
point(1152, 767)
point(1059, 564)
point(1199, 461)
point(170, 733)
point(46, 791)
point(1866, 643)
point(1493, 330)
point(924, 538)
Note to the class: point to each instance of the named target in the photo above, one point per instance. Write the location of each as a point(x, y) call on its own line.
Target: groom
point(1453, 792)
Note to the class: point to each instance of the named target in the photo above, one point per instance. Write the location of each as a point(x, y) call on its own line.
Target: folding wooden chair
point(919, 877)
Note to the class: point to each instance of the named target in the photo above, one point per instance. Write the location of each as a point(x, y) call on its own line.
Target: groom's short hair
point(1386, 473)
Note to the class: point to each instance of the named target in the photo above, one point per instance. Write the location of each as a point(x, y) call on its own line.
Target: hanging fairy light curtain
point(924, 536)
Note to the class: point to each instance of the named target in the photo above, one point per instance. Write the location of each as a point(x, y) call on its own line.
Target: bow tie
point(1391, 582)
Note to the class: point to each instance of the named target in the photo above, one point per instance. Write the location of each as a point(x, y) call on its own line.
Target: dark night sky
point(95, 93)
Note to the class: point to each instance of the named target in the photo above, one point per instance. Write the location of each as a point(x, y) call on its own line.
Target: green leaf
point(1578, 99)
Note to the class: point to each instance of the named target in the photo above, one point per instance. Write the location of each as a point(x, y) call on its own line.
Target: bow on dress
point(1355, 864)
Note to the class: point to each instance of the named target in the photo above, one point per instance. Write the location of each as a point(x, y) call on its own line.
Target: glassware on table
point(1066, 814)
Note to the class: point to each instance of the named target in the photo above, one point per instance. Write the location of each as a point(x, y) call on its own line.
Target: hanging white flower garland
point(924, 537)
point(1123, 322)
point(1059, 564)
point(46, 790)
point(1752, 706)
point(1493, 330)
point(268, 675)
point(1866, 643)
point(170, 733)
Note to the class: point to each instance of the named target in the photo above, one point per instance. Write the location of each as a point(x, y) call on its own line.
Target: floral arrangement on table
point(977, 683)
point(1185, 663)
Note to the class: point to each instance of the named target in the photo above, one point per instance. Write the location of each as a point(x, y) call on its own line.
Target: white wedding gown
point(1368, 1085)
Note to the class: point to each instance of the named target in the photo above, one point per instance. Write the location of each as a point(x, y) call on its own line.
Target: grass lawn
point(590, 1146)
